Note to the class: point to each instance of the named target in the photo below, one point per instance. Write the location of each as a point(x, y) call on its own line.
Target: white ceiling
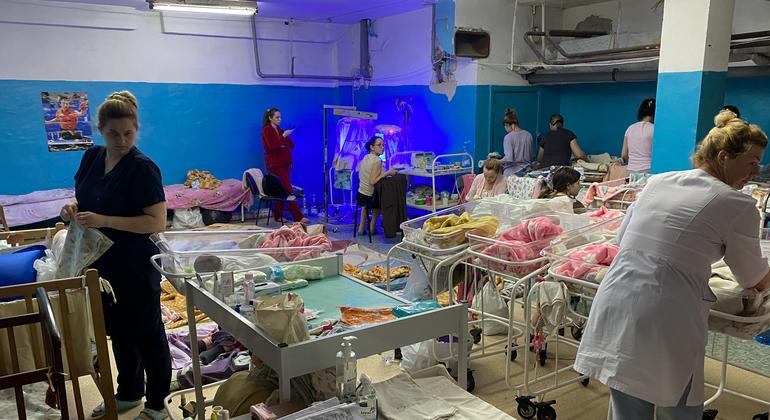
point(339, 11)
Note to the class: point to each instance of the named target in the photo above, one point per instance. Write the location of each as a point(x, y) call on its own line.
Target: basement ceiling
point(338, 11)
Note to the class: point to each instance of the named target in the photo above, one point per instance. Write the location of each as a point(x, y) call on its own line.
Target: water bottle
point(764, 338)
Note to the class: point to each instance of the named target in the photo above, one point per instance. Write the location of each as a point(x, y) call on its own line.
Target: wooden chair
point(63, 330)
point(3, 221)
point(24, 237)
point(53, 370)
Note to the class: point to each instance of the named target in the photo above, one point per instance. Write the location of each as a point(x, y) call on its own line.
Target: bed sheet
point(36, 206)
point(226, 197)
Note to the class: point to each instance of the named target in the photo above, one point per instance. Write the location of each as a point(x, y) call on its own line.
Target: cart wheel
point(710, 414)
point(561, 332)
point(514, 353)
point(397, 354)
point(543, 357)
point(585, 381)
point(577, 332)
point(763, 416)
point(546, 413)
point(471, 385)
point(476, 333)
point(526, 409)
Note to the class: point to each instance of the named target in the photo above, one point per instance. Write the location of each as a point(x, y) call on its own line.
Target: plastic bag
point(46, 267)
point(417, 287)
point(282, 317)
point(187, 218)
point(493, 305)
point(415, 308)
point(418, 356)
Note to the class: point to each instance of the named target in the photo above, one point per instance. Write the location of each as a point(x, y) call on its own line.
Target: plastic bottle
point(764, 338)
point(367, 398)
point(346, 371)
point(248, 288)
point(313, 208)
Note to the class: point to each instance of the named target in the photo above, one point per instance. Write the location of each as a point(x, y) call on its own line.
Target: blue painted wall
point(183, 126)
point(599, 113)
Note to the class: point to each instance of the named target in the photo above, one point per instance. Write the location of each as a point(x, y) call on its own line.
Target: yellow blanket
point(440, 225)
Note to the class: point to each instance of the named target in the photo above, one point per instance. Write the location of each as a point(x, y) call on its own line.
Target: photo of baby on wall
point(67, 121)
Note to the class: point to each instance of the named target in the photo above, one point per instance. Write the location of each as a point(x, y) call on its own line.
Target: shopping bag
point(282, 318)
point(418, 356)
point(493, 305)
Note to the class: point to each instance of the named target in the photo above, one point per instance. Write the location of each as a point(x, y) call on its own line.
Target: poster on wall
point(67, 121)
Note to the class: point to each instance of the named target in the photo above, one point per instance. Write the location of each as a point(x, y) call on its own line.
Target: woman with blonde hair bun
point(646, 335)
point(119, 191)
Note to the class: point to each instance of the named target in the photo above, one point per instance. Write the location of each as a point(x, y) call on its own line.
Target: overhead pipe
point(364, 48)
point(617, 75)
point(293, 75)
point(643, 51)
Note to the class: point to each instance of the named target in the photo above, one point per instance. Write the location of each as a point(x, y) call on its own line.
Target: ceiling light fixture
point(226, 7)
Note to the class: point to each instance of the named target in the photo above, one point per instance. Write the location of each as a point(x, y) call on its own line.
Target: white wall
point(65, 41)
point(401, 51)
point(495, 17)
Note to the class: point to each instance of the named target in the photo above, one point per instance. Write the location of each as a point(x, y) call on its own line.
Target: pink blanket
point(605, 214)
point(522, 243)
point(589, 263)
point(291, 239)
point(227, 197)
point(610, 190)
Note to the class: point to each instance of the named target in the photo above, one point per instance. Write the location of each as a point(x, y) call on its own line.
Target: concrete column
point(695, 47)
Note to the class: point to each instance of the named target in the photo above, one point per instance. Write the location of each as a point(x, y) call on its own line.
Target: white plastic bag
point(46, 267)
point(187, 218)
point(418, 356)
point(493, 305)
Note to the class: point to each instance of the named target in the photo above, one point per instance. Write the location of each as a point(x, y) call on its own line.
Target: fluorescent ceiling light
point(207, 7)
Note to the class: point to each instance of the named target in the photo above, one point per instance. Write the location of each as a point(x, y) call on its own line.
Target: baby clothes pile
point(522, 243)
point(614, 217)
point(589, 263)
point(291, 237)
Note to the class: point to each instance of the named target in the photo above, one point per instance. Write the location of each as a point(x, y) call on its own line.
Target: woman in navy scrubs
point(119, 191)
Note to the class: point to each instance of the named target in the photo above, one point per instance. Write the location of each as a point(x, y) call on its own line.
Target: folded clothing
point(589, 263)
point(401, 398)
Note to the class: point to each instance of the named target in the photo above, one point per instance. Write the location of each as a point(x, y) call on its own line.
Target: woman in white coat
point(646, 335)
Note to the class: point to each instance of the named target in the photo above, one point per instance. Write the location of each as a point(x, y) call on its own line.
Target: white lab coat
point(646, 334)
